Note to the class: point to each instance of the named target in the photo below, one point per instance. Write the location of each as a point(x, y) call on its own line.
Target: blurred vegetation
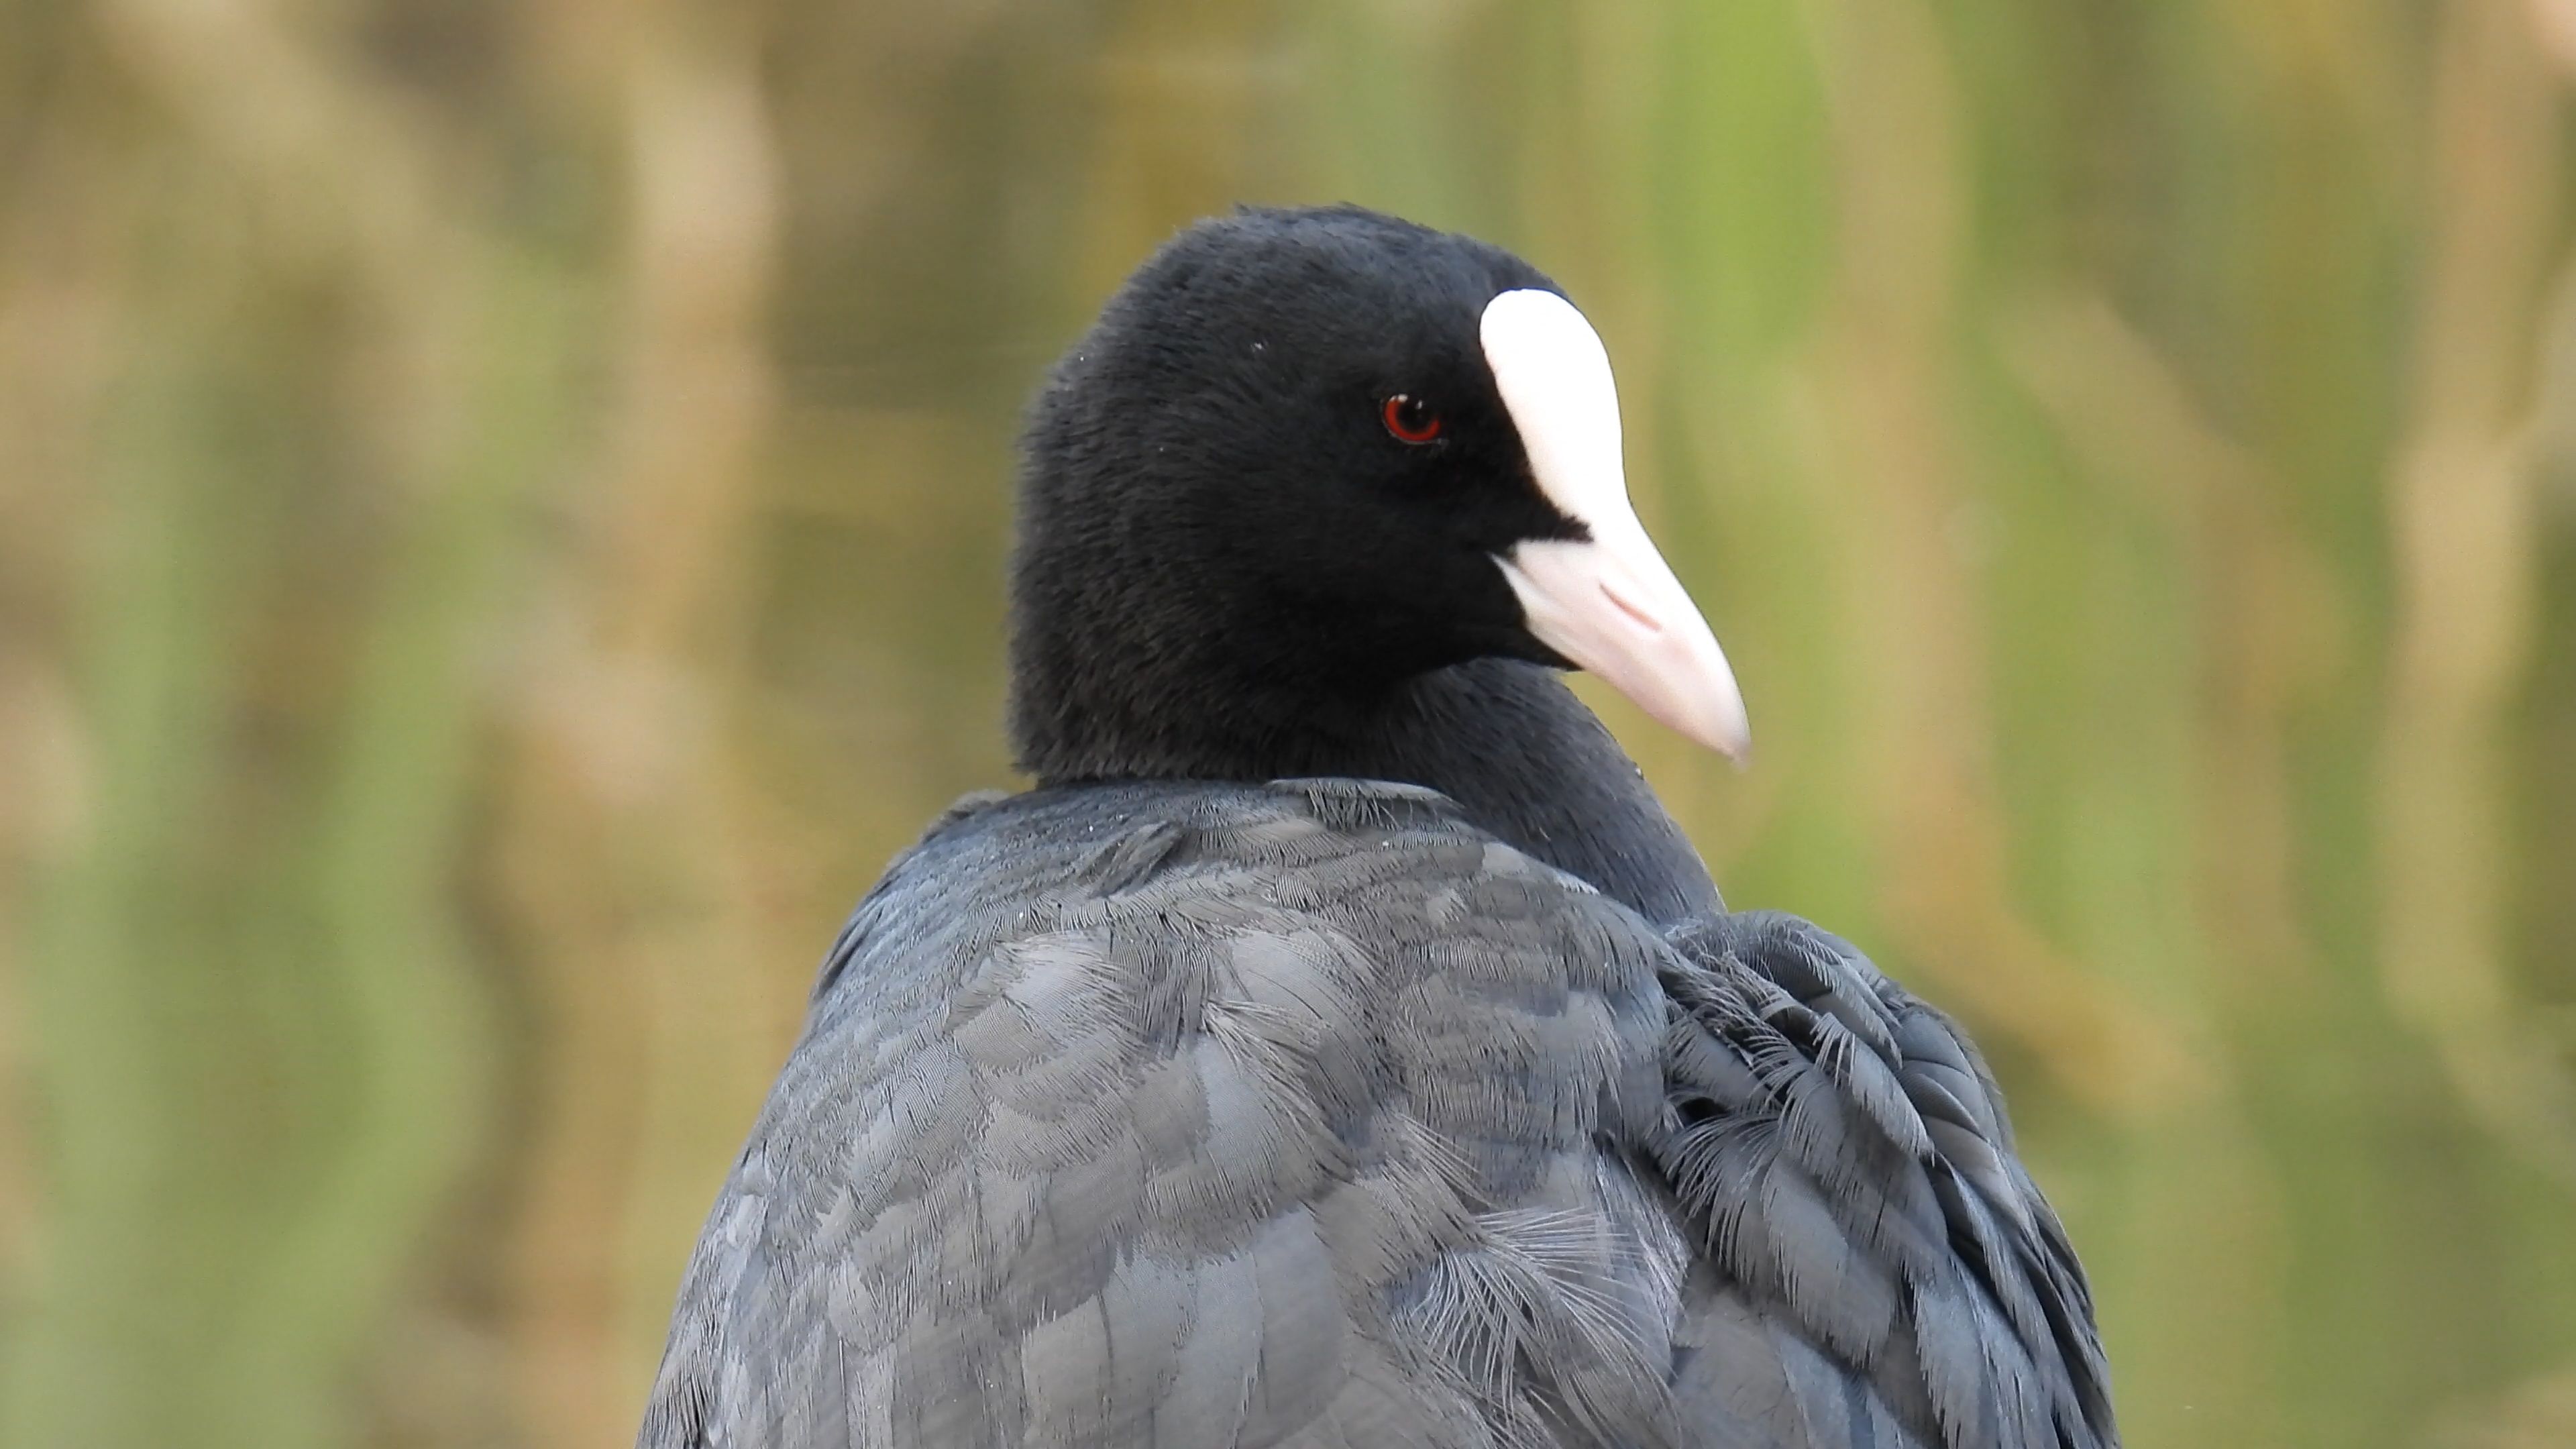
point(501, 517)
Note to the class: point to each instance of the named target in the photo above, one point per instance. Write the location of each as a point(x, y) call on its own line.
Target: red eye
point(1410, 419)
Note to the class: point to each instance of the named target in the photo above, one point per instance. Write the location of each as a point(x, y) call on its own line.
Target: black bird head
point(1303, 458)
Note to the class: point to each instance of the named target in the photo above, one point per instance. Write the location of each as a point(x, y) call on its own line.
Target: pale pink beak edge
point(1608, 603)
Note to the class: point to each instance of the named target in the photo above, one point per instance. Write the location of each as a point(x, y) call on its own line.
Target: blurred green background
point(502, 506)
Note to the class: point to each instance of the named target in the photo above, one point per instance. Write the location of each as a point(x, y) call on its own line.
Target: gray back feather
point(1310, 1115)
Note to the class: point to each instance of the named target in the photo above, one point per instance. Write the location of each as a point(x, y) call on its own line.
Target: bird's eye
point(1410, 419)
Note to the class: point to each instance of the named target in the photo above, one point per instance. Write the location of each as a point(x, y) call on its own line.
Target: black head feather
point(1230, 566)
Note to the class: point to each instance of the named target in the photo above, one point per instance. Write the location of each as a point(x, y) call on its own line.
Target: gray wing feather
point(1880, 1269)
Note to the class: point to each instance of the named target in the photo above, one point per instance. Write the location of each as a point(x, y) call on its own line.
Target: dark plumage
point(1423, 1095)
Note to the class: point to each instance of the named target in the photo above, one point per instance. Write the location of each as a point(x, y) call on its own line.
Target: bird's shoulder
point(1386, 867)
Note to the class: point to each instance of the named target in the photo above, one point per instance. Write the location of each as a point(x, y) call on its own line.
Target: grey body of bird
point(1199, 1116)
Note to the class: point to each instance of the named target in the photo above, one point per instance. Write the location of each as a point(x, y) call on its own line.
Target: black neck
point(1506, 740)
point(1510, 743)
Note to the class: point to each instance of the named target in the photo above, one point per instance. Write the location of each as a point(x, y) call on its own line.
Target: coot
point(1339, 1045)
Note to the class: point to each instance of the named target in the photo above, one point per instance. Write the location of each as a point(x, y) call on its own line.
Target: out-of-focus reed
point(501, 514)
